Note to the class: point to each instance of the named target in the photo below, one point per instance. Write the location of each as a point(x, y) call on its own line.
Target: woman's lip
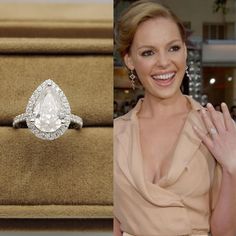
point(164, 83)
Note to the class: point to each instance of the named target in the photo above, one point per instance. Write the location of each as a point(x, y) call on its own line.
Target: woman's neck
point(153, 106)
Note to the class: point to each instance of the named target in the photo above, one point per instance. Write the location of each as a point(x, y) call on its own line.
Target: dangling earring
point(187, 73)
point(132, 77)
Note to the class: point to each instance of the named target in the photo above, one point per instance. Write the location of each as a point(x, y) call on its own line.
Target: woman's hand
point(221, 140)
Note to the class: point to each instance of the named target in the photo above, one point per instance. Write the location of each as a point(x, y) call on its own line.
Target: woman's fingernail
point(209, 105)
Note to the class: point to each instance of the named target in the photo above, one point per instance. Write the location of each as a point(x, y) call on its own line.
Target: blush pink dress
point(182, 201)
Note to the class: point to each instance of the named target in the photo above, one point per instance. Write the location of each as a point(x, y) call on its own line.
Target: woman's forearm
point(223, 220)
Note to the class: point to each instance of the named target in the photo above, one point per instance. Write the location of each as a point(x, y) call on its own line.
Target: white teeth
point(163, 76)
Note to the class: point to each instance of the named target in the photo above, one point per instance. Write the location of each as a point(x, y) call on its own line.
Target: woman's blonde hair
point(137, 13)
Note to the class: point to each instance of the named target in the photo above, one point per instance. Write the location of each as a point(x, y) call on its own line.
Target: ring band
point(48, 114)
point(213, 131)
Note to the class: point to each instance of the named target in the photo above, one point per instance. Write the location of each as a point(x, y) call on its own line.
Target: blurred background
point(211, 29)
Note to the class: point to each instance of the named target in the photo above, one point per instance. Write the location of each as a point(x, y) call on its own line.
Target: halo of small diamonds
point(65, 112)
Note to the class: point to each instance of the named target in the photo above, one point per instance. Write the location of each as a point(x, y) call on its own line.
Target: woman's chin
point(165, 94)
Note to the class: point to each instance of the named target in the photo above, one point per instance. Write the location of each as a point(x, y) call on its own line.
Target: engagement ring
point(48, 114)
point(213, 131)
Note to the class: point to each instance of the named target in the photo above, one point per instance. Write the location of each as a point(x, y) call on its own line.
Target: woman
point(175, 162)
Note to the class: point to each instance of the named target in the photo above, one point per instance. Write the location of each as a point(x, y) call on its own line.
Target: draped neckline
point(132, 163)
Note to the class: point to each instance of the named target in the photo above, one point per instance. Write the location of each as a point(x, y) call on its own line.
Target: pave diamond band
point(48, 114)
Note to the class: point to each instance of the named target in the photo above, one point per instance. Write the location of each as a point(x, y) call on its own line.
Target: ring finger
point(208, 123)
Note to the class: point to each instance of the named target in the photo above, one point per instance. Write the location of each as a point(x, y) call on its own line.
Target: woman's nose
point(163, 59)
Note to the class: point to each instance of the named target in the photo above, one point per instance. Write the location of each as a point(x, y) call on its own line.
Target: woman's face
point(158, 56)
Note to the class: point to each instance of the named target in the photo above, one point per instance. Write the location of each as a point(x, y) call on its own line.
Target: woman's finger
point(208, 123)
point(216, 117)
point(227, 117)
point(204, 137)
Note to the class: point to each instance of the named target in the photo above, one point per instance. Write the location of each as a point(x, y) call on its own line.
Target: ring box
point(70, 177)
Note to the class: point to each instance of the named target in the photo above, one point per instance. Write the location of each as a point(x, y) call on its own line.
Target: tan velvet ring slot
point(47, 46)
point(56, 20)
point(75, 169)
point(56, 211)
point(53, 12)
point(86, 81)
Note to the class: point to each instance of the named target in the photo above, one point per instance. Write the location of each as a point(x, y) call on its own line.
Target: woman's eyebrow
point(146, 46)
point(174, 41)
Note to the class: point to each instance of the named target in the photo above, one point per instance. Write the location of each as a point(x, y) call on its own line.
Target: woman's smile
point(165, 79)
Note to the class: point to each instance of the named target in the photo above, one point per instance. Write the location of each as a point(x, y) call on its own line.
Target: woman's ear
point(128, 61)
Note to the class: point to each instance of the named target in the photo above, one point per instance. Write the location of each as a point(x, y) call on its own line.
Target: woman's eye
point(147, 53)
point(174, 48)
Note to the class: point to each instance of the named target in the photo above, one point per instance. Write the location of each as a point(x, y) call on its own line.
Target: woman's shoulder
point(121, 123)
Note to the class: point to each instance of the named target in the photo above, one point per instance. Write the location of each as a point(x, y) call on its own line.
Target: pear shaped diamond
point(48, 111)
